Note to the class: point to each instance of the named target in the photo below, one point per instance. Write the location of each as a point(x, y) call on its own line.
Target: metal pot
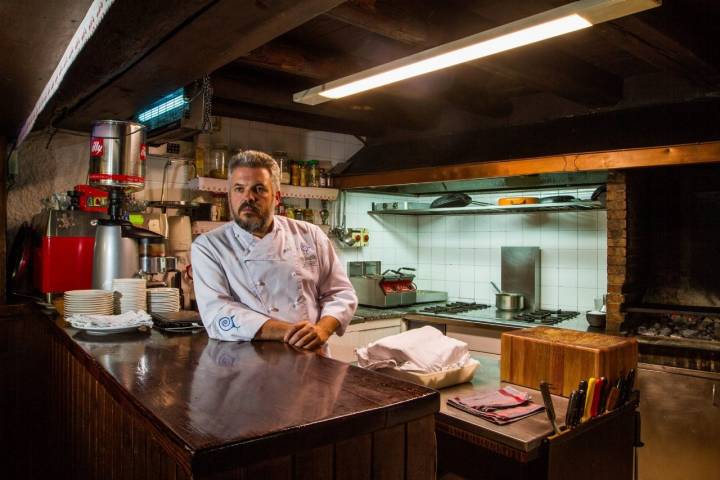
point(508, 300)
point(117, 155)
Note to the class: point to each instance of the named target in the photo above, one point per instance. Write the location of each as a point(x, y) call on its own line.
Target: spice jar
point(295, 173)
point(303, 174)
point(202, 153)
point(289, 212)
point(219, 209)
point(323, 178)
point(284, 163)
point(324, 213)
point(218, 162)
point(299, 214)
point(313, 175)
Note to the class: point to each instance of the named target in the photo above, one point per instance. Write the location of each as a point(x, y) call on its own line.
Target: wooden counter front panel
point(97, 436)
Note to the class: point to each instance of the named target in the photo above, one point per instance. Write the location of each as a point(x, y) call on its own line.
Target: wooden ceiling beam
point(260, 113)
point(578, 81)
point(383, 111)
point(224, 31)
point(659, 49)
point(671, 155)
point(281, 57)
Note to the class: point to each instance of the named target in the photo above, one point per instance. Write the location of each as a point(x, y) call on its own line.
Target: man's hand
point(309, 336)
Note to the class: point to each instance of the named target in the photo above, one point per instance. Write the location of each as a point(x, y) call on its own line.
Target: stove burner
point(456, 307)
point(547, 317)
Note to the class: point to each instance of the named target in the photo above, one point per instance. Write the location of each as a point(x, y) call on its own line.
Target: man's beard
point(252, 224)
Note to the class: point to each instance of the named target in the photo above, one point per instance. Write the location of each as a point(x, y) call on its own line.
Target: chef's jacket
point(291, 274)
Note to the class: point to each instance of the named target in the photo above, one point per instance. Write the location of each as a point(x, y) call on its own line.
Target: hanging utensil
point(455, 200)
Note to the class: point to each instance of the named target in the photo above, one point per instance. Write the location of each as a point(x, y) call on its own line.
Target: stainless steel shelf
point(578, 205)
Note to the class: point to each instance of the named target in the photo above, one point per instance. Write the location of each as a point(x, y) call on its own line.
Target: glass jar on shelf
point(219, 209)
point(324, 212)
point(313, 174)
point(202, 153)
point(283, 162)
point(303, 174)
point(323, 178)
point(308, 213)
point(295, 173)
point(218, 163)
point(299, 214)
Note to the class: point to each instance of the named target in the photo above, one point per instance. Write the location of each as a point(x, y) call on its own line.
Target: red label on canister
point(143, 152)
point(97, 147)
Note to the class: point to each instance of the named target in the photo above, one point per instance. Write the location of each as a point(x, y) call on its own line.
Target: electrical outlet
point(361, 237)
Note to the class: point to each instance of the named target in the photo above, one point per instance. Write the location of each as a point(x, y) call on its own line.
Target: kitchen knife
point(604, 395)
point(612, 398)
point(628, 385)
point(572, 403)
point(589, 399)
point(599, 384)
point(579, 407)
point(549, 408)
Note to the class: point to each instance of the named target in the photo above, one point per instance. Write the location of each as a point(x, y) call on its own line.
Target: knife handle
point(572, 402)
point(589, 399)
point(549, 408)
point(612, 398)
point(595, 406)
point(579, 407)
point(604, 396)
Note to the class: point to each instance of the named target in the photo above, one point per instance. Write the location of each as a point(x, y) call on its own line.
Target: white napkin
point(421, 350)
point(128, 319)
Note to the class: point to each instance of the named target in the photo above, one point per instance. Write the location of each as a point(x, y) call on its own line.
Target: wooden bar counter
point(154, 405)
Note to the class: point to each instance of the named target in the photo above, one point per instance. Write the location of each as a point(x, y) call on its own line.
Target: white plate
point(106, 330)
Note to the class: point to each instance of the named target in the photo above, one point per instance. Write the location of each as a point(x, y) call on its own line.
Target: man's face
point(252, 199)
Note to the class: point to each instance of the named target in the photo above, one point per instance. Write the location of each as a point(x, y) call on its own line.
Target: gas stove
point(455, 307)
point(483, 312)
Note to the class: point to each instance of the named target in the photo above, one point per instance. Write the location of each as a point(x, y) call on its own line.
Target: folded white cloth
point(128, 319)
point(421, 350)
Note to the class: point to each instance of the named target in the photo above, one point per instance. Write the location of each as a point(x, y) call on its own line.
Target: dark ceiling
point(261, 52)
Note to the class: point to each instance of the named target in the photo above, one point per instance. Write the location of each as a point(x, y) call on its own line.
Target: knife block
point(563, 357)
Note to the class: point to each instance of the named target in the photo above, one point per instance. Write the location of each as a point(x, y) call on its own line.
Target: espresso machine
point(117, 165)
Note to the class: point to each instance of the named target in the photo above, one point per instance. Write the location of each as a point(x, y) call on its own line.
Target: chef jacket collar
point(248, 239)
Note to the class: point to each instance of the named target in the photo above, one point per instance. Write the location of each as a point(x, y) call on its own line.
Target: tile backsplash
point(461, 253)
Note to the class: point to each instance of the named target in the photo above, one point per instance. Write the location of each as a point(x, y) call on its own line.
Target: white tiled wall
point(461, 254)
point(393, 238)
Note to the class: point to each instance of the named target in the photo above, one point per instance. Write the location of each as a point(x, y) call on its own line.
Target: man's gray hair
point(255, 159)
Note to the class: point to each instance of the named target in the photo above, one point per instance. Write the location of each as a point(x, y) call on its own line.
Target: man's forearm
point(273, 330)
point(329, 324)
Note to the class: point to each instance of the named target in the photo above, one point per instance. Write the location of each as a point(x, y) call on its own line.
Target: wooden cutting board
point(563, 357)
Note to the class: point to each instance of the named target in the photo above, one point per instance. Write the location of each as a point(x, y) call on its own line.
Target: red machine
point(63, 250)
point(92, 199)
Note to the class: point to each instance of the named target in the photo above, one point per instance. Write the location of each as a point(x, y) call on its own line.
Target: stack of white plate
point(90, 302)
point(130, 294)
point(163, 299)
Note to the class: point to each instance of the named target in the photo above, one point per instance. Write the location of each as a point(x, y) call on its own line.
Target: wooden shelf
point(219, 185)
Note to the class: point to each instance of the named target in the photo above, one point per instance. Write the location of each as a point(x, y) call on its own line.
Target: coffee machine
point(117, 165)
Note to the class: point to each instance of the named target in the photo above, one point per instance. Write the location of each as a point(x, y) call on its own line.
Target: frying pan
point(557, 199)
point(454, 200)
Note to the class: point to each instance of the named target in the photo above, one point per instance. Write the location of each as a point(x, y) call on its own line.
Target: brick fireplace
point(664, 252)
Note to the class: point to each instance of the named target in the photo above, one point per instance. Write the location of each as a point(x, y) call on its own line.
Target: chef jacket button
point(260, 284)
point(274, 309)
point(293, 274)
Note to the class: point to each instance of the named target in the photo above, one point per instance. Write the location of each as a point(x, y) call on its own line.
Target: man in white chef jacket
point(267, 277)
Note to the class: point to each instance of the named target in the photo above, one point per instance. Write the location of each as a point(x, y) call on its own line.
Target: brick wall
point(623, 242)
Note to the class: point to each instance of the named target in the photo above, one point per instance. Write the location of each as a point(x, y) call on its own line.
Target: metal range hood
point(505, 184)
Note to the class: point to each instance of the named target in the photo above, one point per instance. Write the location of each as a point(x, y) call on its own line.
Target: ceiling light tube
point(552, 23)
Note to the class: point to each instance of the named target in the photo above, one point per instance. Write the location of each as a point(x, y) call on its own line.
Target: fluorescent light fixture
point(552, 23)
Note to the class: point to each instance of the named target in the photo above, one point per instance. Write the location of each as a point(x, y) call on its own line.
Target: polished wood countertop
point(228, 401)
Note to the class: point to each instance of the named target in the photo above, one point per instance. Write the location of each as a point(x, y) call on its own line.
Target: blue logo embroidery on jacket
point(226, 323)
